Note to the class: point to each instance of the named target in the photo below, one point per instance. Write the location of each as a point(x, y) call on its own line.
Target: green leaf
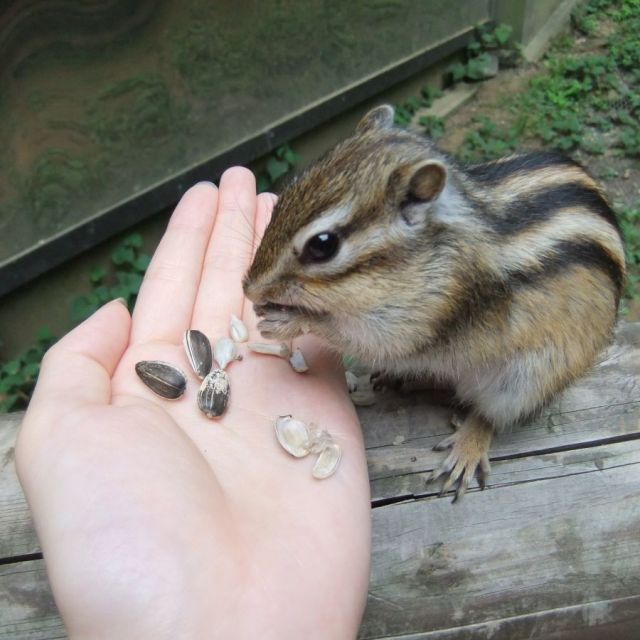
point(44, 334)
point(133, 240)
point(286, 153)
point(123, 255)
point(82, 307)
point(503, 33)
point(263, 183)
point(276, 168)
point(12, 367)
point(98, 274)
point(142, 262)
point(8, 403)
point(31, 370)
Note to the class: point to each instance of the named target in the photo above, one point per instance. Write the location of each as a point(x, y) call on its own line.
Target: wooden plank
point(27, 609)
point(400, 431)
point(514, 550)
point(514, 471)
point(550, 549)
point(615, 619)
point(17, 535)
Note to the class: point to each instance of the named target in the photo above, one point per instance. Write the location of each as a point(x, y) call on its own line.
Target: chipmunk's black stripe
point(566, 253)
point(526, 163)
point(543, 205)
point(486, 297)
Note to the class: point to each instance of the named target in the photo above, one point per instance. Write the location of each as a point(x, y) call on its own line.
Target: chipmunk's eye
point(320, 248)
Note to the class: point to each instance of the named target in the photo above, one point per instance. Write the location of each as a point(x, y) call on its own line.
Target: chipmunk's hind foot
point(469, 455)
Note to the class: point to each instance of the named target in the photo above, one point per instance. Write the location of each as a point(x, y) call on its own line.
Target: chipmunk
point(502, 279)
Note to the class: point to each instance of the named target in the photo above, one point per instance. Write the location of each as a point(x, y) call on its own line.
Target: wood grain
point(550, 550)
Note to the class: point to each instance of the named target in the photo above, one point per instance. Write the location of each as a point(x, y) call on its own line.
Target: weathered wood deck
point(550, 550)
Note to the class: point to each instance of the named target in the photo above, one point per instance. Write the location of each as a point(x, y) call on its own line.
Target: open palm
point(156, 522)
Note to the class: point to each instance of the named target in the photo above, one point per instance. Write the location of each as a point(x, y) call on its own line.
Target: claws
point(468, 457)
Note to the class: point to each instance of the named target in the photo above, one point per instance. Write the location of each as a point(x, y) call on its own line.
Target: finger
point(228, 254)
point(77, 370)
point(264, 209)
point(166, 300)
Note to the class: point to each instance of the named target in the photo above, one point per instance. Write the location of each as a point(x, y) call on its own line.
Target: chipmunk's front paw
point(280, 326)
point(469, 456)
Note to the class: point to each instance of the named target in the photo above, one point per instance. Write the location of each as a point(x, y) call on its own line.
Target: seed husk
point(352, 381)
point(164, 379)
point(279, 349)
point(327, 462)
point(297, 361)
point(293, 435)
point(224, 351)
point(198, 349)
point(238, 330)
point(363, 395)
point(213, 394)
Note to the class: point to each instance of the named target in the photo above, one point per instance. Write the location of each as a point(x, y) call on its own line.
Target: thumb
point(77, 370)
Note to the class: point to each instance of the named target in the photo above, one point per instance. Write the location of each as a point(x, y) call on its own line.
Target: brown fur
point(501, 278)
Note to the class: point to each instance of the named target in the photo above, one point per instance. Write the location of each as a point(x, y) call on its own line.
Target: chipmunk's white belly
point(503, 390)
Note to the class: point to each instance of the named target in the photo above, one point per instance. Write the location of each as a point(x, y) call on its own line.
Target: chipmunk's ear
point(379, 118)
point(416, 183)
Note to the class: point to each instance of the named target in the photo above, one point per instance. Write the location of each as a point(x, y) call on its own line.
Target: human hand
point(156, 522)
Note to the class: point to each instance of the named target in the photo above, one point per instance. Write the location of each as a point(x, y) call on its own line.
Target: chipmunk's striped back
point(502, 279)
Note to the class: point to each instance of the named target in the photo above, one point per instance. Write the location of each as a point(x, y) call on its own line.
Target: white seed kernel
point(352, 381)
point(224, 351)
point(297, 361)
point(238, 330)
point(279, 349)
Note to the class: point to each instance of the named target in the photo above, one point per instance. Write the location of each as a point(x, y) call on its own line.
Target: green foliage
point(433, 126)
point(122, 279)
point(282, 161)
point(584, 17)
point(490, 141)
point(18, 376)
point(580, 97)
point(478, 61)
point(629, 218)
point(406, 110)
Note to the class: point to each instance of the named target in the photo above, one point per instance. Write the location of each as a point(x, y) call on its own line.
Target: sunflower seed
point(238, 330)
point(213, 394)
point(327, 462)
point(293, 436)
point(297, 361)
point(198, 349)
point(279, 349)
point(224, 351)
point(162, 378)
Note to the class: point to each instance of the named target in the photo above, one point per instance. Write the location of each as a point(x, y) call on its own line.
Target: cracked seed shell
point(213, 395)
point(164, 379)
point(198, 349)
point(327, 462)
point(293, 436)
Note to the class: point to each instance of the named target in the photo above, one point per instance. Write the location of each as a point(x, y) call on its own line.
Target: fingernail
point(122, 301)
